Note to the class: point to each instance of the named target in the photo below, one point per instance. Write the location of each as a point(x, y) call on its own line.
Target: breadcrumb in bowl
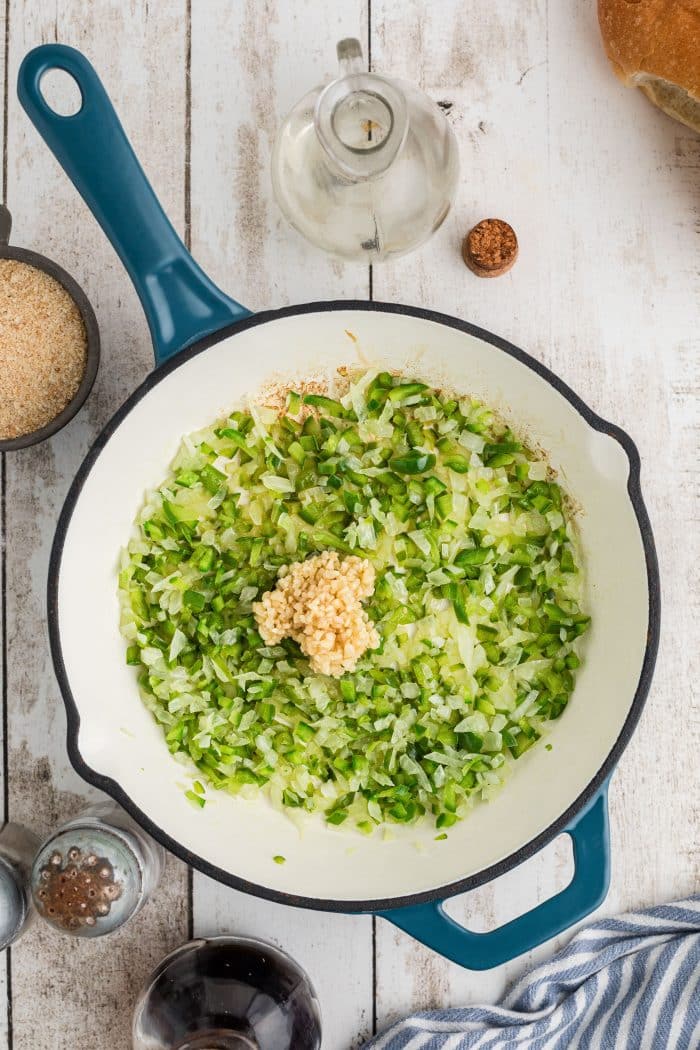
point(49, 345)
point(43, 348)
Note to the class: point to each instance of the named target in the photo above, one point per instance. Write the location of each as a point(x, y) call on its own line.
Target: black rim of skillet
point(92, 335)
point(111, 787)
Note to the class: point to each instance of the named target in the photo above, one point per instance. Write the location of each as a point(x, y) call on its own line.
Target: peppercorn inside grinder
point(92, 335)
point(95, 873)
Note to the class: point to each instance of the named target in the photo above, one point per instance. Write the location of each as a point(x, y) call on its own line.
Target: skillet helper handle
point(430, 924)
point(181, 303)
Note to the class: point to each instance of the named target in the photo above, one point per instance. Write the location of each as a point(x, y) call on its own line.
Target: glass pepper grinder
point(367, 167)
point(96, 872)
point(227, 993)
point(18, 846)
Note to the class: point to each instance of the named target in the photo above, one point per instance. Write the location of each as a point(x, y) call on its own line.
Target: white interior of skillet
point(118, 737)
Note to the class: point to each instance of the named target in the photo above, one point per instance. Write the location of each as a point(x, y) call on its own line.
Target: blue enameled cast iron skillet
point(210, 351)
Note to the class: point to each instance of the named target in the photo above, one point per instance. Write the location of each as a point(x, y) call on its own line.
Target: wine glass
point(227, 993)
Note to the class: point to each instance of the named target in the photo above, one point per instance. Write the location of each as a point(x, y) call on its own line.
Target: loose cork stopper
point(490, 248)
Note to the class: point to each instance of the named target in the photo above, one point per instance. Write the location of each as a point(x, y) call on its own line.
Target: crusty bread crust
point(657, 37)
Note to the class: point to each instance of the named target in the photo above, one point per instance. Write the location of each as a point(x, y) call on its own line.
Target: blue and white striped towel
point(630, 983)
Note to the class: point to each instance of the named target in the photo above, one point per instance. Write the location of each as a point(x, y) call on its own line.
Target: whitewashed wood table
point(604, 194)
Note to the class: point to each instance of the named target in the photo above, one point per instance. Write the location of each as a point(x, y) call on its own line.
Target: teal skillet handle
point(480, 951)
point(181, 303)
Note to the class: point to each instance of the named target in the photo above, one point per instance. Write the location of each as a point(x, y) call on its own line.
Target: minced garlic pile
point(317, 602)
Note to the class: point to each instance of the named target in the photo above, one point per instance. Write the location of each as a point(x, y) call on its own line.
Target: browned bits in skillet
point(274, 395)
point(490, 248)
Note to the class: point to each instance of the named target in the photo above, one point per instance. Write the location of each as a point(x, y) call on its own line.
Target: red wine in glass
point(227, 993)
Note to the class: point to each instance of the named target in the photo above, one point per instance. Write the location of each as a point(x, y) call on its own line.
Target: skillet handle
point(181, 303)
point(481, 951)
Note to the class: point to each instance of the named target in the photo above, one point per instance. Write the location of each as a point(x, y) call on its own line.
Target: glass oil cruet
point(366, 167)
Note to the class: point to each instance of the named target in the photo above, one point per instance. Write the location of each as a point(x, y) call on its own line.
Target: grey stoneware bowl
point(40, 262)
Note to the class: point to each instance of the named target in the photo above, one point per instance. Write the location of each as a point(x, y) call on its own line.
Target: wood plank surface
point(598, 186)
point(250, 62)
point(625, 300)
point(497, 106)
point(5, 989)
point(69, 993)
point(603, 193)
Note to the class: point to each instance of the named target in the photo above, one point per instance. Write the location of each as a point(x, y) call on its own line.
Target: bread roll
point(655, 45)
